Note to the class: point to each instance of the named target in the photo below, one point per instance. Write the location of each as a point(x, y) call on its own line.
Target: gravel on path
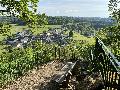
point(36, 79)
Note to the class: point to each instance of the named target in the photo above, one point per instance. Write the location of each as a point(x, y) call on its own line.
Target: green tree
point(24, 9)
point(111, 35)
point(42, 19)
point(114, 9)
point(4, 28)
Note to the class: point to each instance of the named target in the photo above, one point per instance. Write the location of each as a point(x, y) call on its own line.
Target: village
point(21, 39)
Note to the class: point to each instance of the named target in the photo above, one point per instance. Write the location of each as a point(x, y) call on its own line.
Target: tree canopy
point(111, 35)
point(114, 9)
point(24, 9)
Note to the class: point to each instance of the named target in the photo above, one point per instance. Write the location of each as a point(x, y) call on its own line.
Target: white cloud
point(71, 11)
point(75, 7)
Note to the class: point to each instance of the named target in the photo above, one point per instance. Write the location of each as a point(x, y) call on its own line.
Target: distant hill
point(12, 20)
point(96, 22)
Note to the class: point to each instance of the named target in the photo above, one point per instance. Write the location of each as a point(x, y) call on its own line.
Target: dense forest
point(96, 22)
point(84, 25)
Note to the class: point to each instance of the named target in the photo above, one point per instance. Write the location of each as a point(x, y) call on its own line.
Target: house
point(19, 45)
point(25, 40)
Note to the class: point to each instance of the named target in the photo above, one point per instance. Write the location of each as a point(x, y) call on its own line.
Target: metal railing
point(104, 61)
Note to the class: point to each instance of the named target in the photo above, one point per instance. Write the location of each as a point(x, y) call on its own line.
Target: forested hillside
point(96, 22)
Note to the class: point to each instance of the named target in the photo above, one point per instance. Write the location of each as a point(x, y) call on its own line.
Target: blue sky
point(81, 8)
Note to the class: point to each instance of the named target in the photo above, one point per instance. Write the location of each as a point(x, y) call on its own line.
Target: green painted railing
point(105, 62)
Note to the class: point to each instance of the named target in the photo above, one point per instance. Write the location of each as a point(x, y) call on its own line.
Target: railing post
point(37, 58)
point(105, 61)
point(119, 82)
point(74, 56)
point(96, 47)
point(64, 53)
point(115, 79)
point(55, 52)
point(59, 52)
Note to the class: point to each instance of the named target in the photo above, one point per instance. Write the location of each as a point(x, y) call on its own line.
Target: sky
point(81, 8)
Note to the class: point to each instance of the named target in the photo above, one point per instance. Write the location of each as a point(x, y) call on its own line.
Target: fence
point(108, 66)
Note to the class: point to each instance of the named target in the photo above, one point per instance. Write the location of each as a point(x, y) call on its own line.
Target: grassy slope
point(77, 36)
point(41, 29)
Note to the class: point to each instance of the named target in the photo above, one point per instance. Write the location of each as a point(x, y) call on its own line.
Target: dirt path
point(36, 79)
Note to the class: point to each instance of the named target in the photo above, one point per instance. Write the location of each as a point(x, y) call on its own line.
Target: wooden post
point(59, 52)
point(64, 54)
point(55, 52)
point(74, 56)
point(119, 82)
point(37, 58)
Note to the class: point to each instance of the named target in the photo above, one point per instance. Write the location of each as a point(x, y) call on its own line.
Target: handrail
point(115, 63)
point(107, 65)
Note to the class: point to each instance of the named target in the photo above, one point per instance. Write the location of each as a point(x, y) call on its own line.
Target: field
point(41, 29)
point(78, 37)
point(89, 40)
